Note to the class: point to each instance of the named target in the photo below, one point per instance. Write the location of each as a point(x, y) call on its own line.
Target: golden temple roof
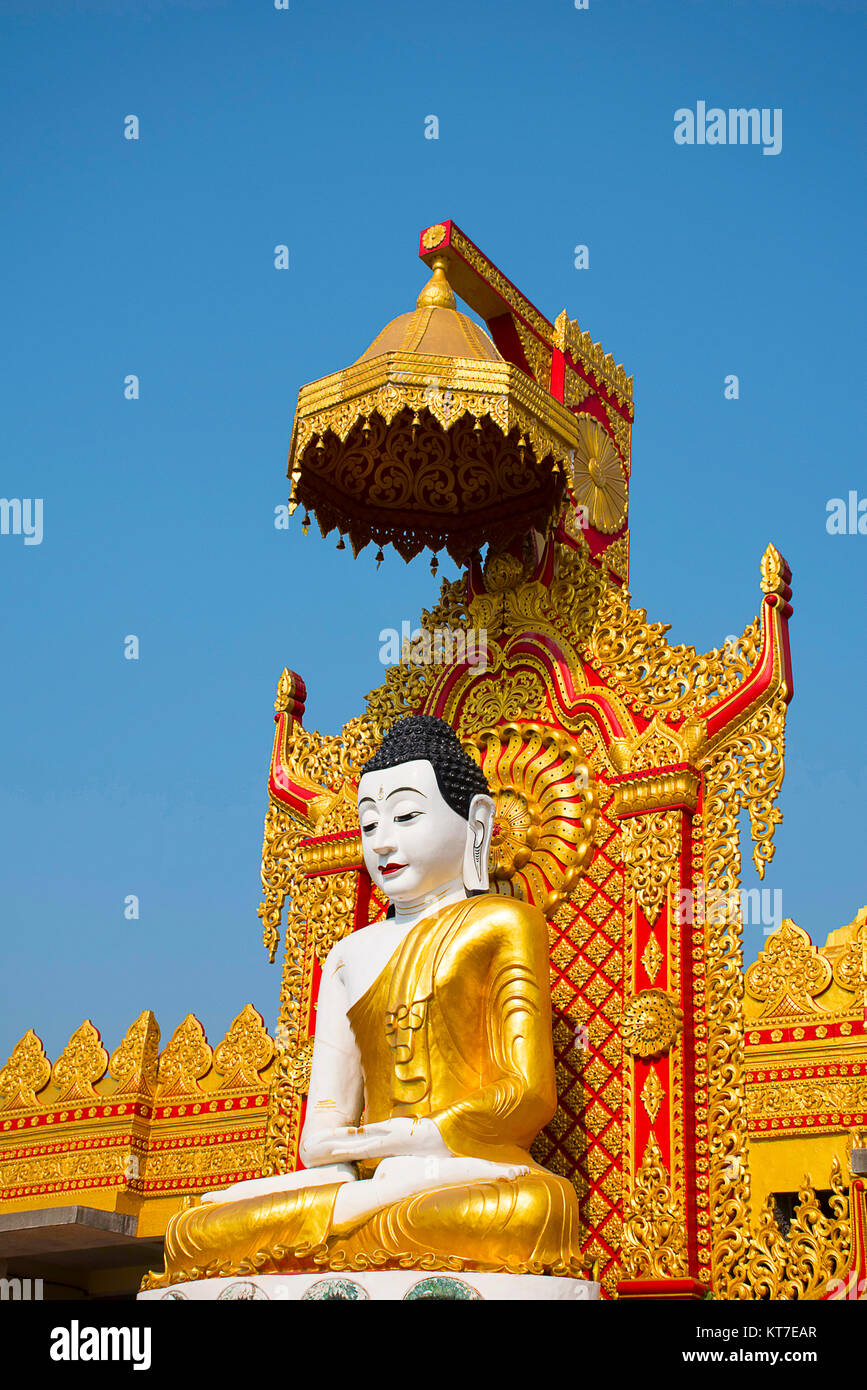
point(434, 327)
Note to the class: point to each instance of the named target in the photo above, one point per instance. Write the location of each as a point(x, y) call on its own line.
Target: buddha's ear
point(480, 828)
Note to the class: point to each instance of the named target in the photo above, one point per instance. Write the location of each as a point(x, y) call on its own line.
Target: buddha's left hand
point(388, 1139)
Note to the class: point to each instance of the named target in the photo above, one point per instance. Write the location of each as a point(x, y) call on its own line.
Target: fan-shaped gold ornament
point(546, 808)
point(597, 476)
point(651, 1022)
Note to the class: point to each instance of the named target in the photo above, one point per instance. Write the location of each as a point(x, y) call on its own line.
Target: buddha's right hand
point(282, 1182)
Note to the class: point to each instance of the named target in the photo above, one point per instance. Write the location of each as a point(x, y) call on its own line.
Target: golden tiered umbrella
point(430, 440)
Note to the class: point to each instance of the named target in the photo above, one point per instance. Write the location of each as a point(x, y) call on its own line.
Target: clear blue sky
point(155, 257)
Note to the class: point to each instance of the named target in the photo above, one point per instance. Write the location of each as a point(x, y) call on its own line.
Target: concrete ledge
point(54, 1230)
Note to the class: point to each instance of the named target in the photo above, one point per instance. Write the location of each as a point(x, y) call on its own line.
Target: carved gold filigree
point(748, 770)
point(652, 958)
point(651, 846)
point(27, 1072)
point(616, 557)
point(134, 1062)
point(503, 697)
point(828, 1097)
point(575, 389)
point(638, 658)
point(568, 337)
point(652, 1095)
point(502, 572)
point(185, 1060)
point(659, 746)
point(451, 611)
point(788, 974)
point(537, 354)
point(774, 572)
point(801, 1264)
point(598, 481)
point(654, 1236)
point(245, 1052)
point(83, 1061)
point(849, 948)
point(282, 834)
point(849, 969)
point(622, 431)
point(283, 1126)
point(566, 609)
point(299, 1064)
point(63, 1169)
point(330, 904)
point(651, 1021)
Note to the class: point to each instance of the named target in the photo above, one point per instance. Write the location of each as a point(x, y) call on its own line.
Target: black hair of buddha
point(424, 737)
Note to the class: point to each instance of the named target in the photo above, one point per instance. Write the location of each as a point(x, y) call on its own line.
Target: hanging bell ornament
point(340, 544)
point(379, 558)
point(434, 565)
point(305, 524)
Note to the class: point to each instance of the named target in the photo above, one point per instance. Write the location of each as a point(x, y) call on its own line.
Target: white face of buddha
point(414, 844)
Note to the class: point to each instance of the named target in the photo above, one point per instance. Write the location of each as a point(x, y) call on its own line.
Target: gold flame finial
point(437, 293)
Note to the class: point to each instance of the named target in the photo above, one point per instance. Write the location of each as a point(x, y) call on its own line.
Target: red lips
point(392, 868)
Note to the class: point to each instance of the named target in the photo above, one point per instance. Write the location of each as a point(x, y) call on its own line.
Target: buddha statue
point(433, 1067)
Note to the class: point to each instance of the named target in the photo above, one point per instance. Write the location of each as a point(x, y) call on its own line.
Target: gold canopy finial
point(437, 293)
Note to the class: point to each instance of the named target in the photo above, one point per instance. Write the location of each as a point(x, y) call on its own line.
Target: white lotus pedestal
point(385, 1285)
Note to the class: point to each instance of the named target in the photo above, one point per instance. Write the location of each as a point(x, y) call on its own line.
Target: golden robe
point(457, 1028)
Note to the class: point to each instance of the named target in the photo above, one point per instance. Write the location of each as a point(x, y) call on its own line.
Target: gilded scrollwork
point(537, 353)
point(575, 389)
point(811, 1098)
point(434, 463)
point(245, 1052)
point(504, 696)
point(185, 1060)
point(652, 1095)
point(135, 1061)
point(82, 1062)
point(802, 1263)
point(300, 1062)
point(788, 974)
point(27, 1072)
point(651, 958)
point(664, 678)
point(616, 557)
point(282, 833)
point(569, 338)
point(746, 772)
point(654, 1236)
point(651, 846)
point(329, 907)
point(622, 431)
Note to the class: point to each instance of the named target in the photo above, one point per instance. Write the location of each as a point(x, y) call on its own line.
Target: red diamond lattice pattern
point(583, 1142)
